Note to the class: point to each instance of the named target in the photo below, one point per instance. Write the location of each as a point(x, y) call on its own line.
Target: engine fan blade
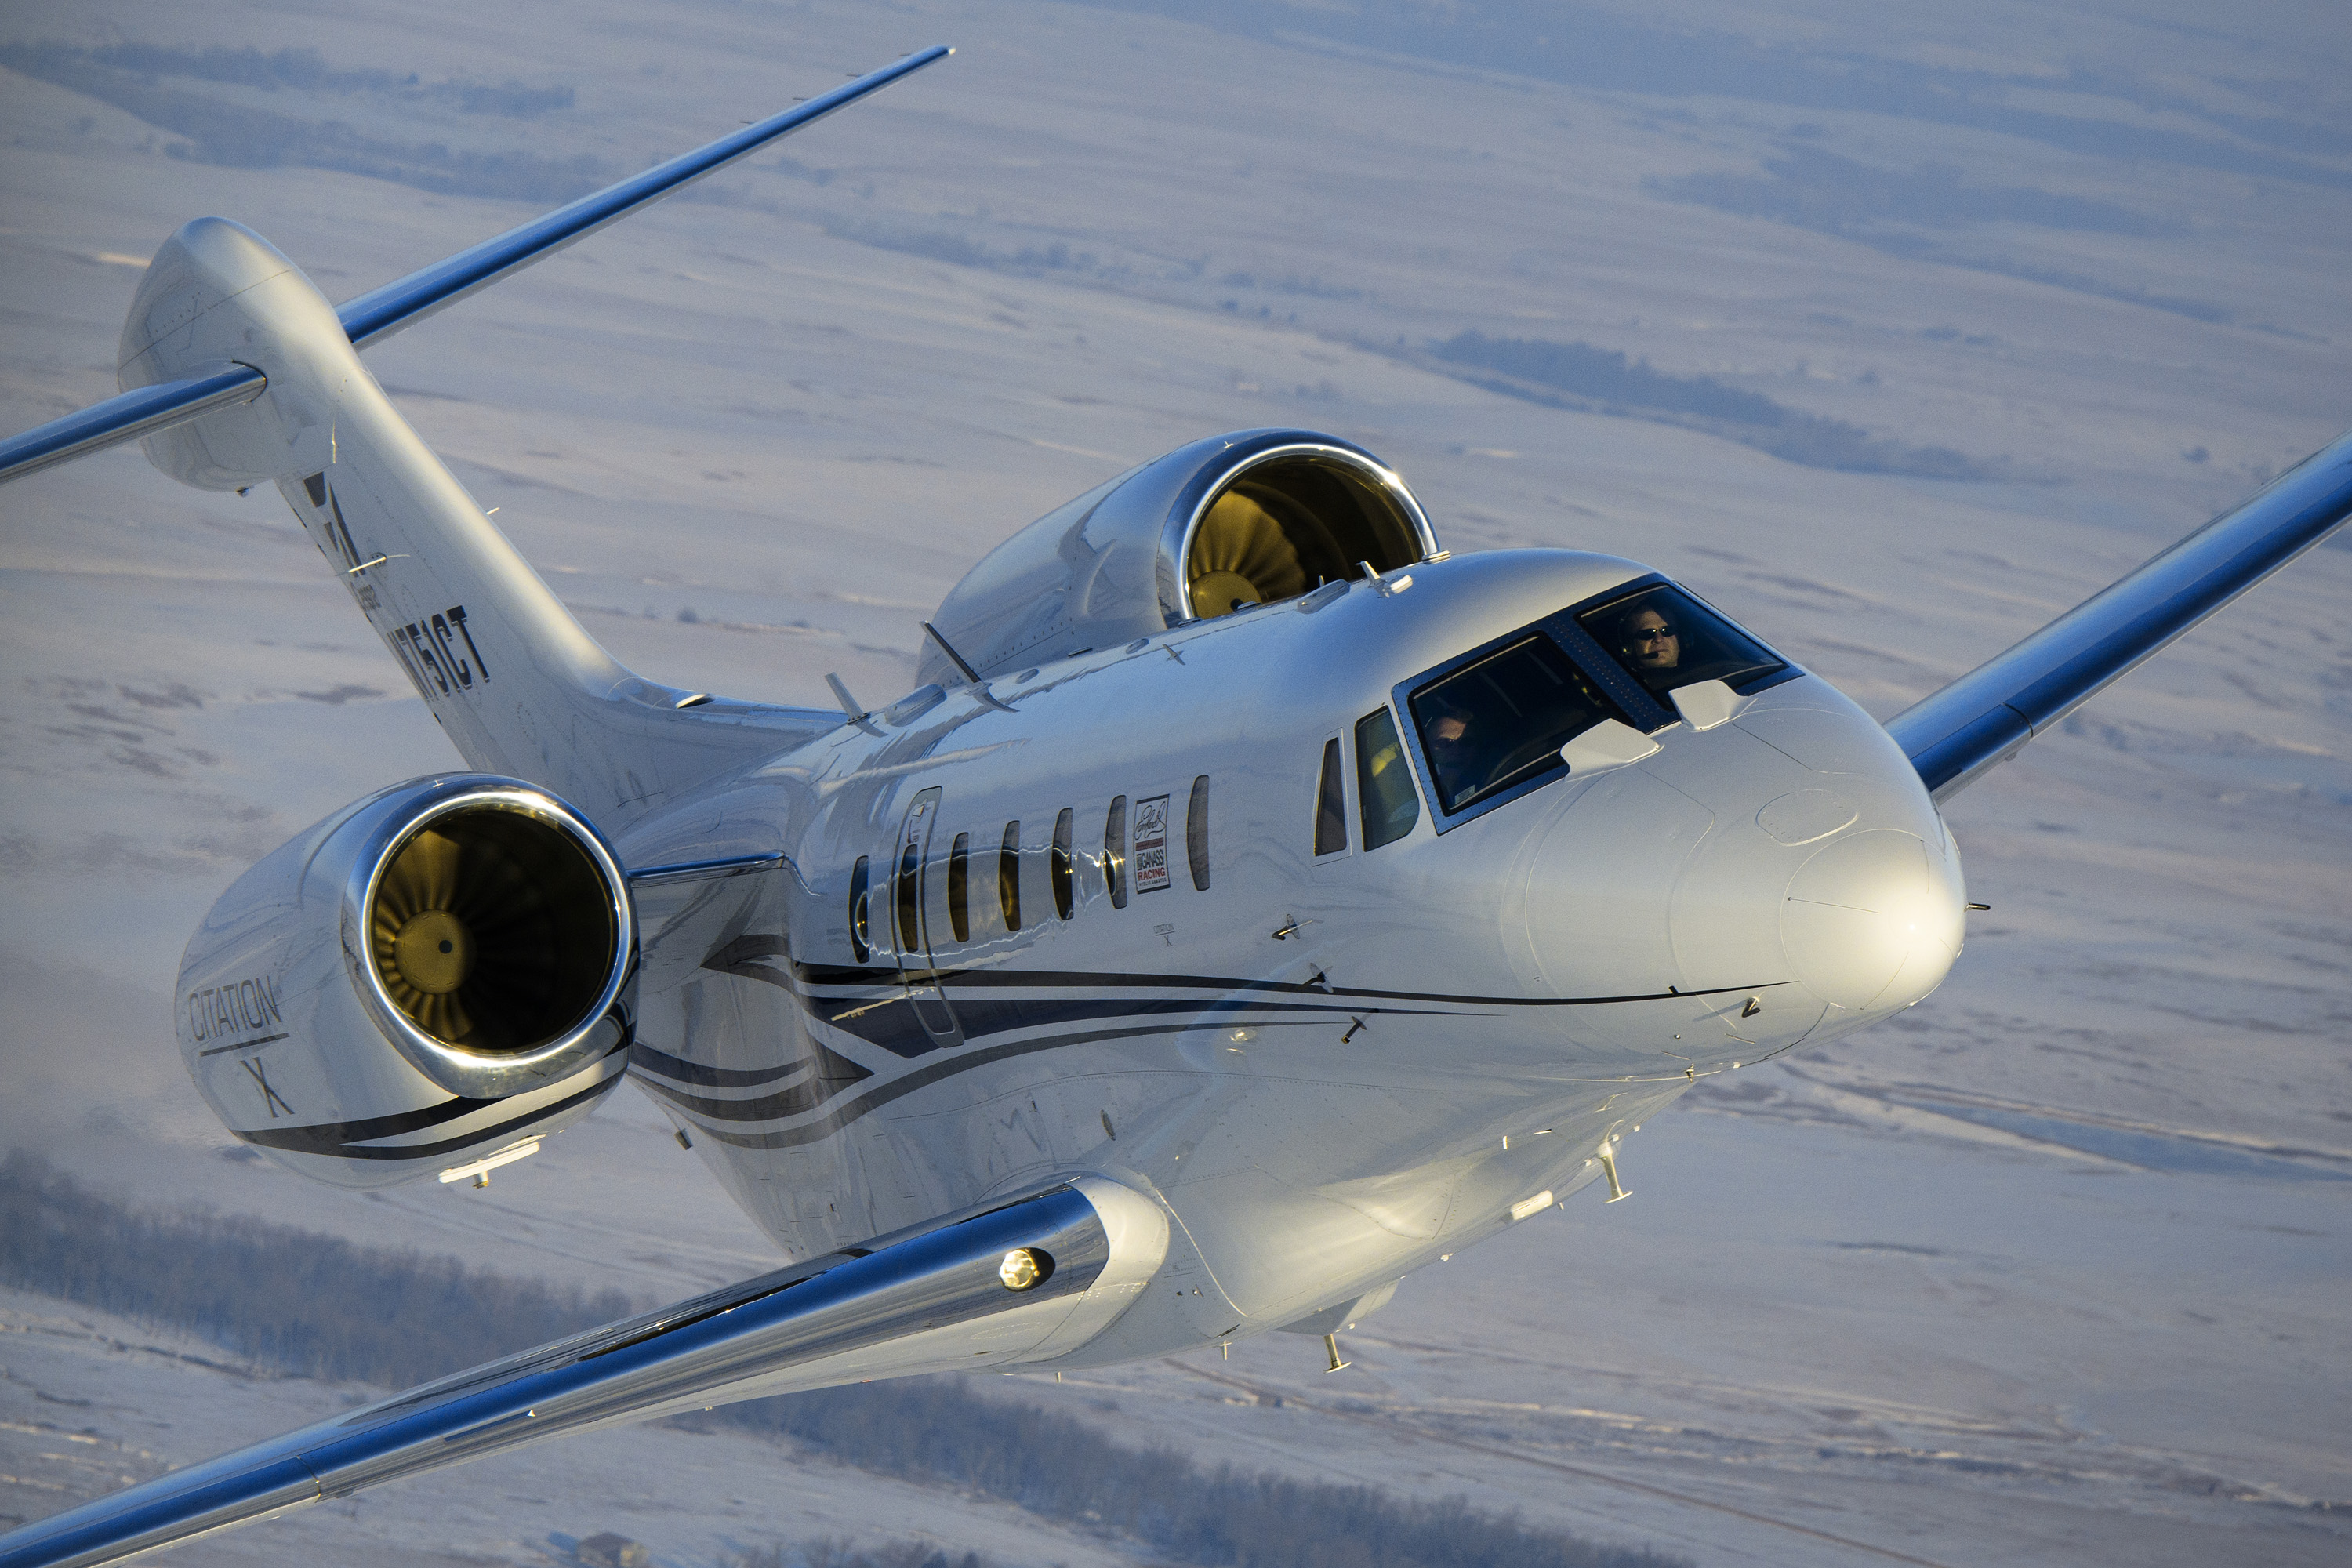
point(1241, 556)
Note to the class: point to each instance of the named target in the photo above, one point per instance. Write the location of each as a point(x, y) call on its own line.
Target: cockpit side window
point(1384, 781)
point(1665, 638)
point(1501, 720)
point(1330, 803)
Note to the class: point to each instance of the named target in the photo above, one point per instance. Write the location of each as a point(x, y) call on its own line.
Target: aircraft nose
point(1872, 922)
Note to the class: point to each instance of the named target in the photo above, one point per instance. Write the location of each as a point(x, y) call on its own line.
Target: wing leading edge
point(379, 314)
point(942, 1297)
point(1988, 715)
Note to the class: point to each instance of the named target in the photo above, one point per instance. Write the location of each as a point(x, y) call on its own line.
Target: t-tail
point(236, 372)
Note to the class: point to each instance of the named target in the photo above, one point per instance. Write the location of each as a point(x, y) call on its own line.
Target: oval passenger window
point(1059, 869)
point(959, 882)
point(1115, 852)
point(858, 942)
point(1008, 876)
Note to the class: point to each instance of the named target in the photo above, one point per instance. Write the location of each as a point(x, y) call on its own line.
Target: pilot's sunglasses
point(1651, 634)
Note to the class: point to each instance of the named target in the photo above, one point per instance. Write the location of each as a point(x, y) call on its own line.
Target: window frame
point(960, 889)
point(1062, 865)
point(1363, 813)
point(1581, 649)
point(1748, 687)
point(906, 900)
point(1577, 646)
point(861, 895)
point(1339, 744)
point(1401, 696)
point(1196, 832)
point(1008, 876)
point(1116, 830)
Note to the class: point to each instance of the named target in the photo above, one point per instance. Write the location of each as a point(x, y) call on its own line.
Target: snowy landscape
point(1894, 329)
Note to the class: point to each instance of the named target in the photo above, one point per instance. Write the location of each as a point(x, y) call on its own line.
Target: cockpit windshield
point(1503, 719)
point(1667, 638)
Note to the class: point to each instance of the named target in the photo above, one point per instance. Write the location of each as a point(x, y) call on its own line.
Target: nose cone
point(1872, 922)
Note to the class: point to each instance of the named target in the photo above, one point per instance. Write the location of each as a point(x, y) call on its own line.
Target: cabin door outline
point(912, 897)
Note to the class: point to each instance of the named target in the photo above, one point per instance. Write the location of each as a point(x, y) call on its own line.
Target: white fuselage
point(1331, 1068)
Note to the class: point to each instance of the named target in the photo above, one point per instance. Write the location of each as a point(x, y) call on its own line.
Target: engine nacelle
point(430, 977)
point(1214, 527)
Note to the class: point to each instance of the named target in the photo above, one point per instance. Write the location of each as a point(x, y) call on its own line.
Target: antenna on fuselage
point(857, 714)
point(970, 675)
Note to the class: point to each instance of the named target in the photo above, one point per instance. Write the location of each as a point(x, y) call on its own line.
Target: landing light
point(1025, 1269)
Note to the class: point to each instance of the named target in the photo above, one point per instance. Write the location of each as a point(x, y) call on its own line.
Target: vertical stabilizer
point(516, 682)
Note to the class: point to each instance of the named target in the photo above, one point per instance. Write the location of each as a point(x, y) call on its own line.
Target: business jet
point(1251, 905)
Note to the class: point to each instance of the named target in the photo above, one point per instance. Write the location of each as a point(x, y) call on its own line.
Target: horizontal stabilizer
point(140, 412)
point(381, 313)
point(1984, 717)
point(1026, 1280)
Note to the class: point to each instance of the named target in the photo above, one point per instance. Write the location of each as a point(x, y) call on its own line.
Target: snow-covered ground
point(2055, 1270)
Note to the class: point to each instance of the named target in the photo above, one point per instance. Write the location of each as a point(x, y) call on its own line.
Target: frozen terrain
point(2055, 1270)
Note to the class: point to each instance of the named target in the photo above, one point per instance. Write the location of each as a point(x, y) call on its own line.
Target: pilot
point(1650, 641)
point(1450, 752)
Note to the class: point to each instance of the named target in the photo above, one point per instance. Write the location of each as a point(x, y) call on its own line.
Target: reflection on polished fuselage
point(1097, 916)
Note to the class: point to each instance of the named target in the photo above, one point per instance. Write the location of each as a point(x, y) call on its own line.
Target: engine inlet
point(492, 928)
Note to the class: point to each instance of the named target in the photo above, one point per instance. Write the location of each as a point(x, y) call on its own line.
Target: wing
point(141, 412)
point(1984, 717)
point(376, 315)
point(1019, 1282)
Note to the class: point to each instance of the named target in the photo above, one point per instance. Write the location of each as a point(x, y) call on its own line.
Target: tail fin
point(518, 685)
point(236, 372)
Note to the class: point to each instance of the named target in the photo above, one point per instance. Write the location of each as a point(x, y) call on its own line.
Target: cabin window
point(1501, 720)
point(1665, 638)
point(1196, 832)
point(1331, 804)
point(1059, 869)
point(909, 894)
point(958, 886)
point(1383, 781)
point(1115, 852)
point(860, 945)
point(1008, 876)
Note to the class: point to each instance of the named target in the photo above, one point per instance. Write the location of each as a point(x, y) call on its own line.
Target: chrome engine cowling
point(1233, 520)
point(438, 973)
